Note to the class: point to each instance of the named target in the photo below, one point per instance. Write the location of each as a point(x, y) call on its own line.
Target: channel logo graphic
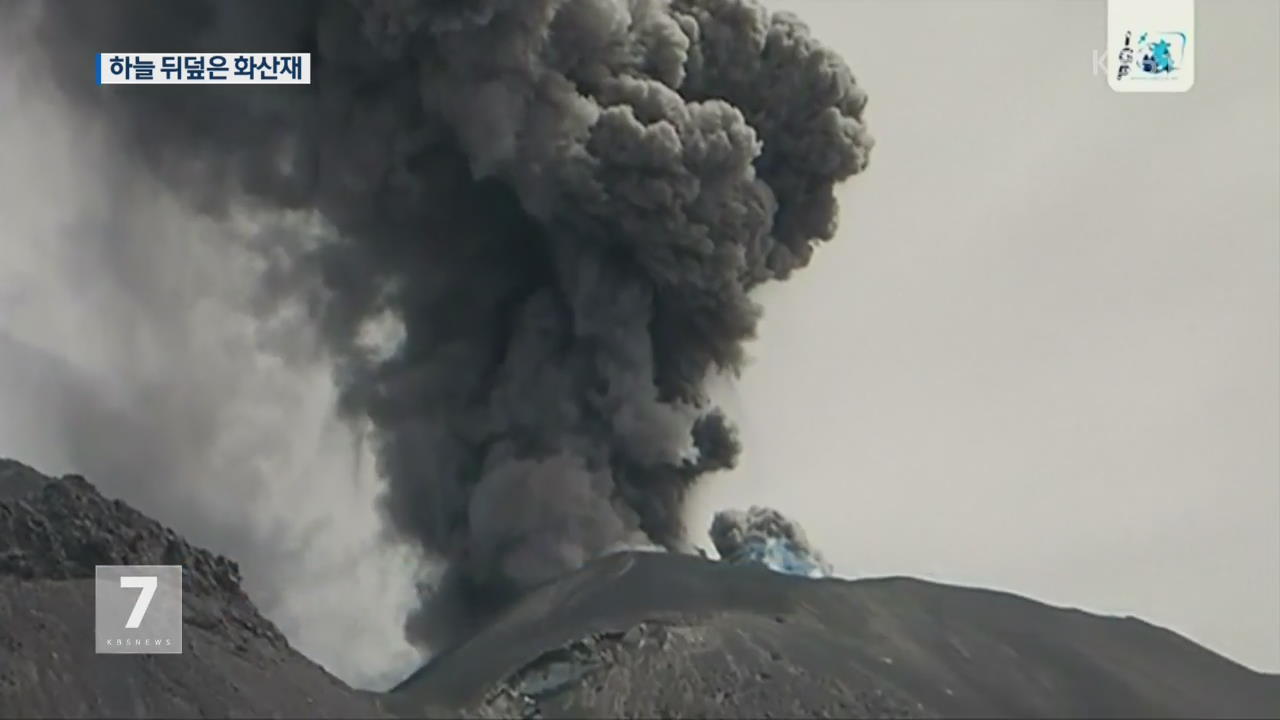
point(1150, 45)
point(138, 609)
point(1153, 56)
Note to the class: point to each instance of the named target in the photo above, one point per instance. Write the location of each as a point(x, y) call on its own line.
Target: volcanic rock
point(630, 635)
point(665, 635)
point(234, 662)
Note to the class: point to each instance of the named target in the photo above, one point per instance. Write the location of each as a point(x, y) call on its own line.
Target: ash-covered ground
point(234, 662)
point(630, 635)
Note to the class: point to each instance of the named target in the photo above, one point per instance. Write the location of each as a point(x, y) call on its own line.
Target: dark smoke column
point(564, 202)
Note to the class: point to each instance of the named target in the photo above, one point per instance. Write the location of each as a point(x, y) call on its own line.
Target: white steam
point(131, 352)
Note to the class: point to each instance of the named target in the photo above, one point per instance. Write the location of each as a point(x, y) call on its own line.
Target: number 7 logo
point(146, 583)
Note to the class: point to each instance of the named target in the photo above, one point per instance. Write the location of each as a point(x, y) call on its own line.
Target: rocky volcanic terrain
point(636, 635)
point(234, 661)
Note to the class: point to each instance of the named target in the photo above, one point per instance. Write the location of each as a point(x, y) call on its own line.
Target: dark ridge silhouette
point(235, 663)
point(629, 635)
point(669, 635)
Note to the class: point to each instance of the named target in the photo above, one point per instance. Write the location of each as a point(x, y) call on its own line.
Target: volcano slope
point(631, 635)
point(234, 662)
point(653, 634)
point(648, 635)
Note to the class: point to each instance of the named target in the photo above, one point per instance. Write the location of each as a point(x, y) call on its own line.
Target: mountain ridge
point(629, 635)
point(235, 662)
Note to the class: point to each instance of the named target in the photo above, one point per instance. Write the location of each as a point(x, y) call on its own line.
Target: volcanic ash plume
point(762, 534)
point(561, 205)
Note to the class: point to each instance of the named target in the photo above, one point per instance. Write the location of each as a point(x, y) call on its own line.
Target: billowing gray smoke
point(762, 534)
point(564, 205)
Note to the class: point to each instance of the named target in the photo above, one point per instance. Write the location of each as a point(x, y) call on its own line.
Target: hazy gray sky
point(130, 352)
point(1043, 353)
